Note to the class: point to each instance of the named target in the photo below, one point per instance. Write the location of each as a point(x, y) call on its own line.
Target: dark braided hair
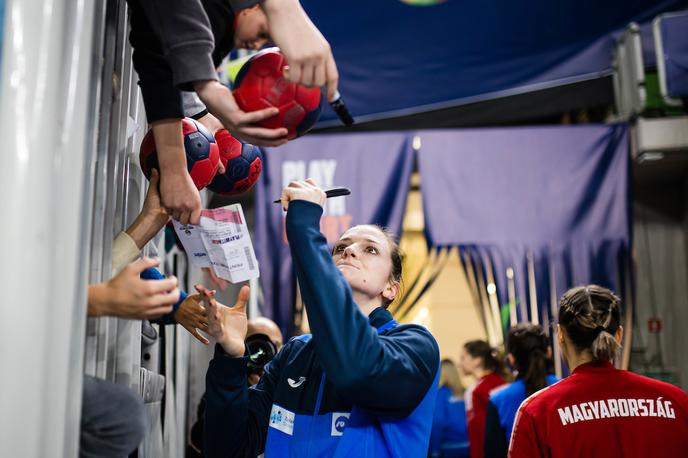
point(591, 316)
point(528, 344)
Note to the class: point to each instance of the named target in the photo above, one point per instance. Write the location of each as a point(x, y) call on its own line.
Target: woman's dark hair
point(394, 251)
point(528, 344)
point(396, 257)
point(489, 356)
point(591, 316)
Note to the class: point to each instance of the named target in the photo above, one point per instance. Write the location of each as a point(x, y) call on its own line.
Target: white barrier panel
point(46, 124)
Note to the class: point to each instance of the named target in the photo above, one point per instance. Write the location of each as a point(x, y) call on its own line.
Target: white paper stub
point(221, 242)
point(190, 237)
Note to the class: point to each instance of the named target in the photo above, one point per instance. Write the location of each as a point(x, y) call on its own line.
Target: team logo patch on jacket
point(339, 421)
point(282, 419)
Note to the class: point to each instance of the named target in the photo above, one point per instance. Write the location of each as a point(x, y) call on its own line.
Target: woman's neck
point(574, 359)
point(481, 372)
point(366, 304)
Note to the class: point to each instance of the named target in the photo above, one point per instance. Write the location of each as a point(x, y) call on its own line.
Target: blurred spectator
point(449, 437)
point(260, 330)
point(529, 354)
point(481, 361)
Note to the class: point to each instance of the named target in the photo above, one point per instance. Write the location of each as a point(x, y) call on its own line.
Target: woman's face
point(468, 363)
point(363, 256)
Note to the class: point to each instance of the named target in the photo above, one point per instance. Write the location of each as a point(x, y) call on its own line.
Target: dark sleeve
point(236, 417)
point(154, 274)
point(183, 29)
point(161, 99)
point(495, 436)
point(387, 375)
point(238, 5)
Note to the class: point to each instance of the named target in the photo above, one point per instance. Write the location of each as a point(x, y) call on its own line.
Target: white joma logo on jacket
point(294, 384)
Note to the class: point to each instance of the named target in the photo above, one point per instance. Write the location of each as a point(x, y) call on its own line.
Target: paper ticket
point(222, 242)
point(190, 237)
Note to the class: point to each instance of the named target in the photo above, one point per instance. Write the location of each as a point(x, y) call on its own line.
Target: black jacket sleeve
point(496, 445)
point(386, 374)
point(161, 99)
point(186, 37)
point(183, 29)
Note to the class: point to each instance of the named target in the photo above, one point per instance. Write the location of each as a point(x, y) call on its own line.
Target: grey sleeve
point(192, 105)
point(187, 40)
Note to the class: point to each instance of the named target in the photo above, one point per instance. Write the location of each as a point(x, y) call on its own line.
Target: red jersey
point(600, 411)
point(476, 411)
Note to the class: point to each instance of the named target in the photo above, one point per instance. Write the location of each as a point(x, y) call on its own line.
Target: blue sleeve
point(236, 416)
point(496, 445)
point(386, 375)
point(438, 432)
point(154, 274)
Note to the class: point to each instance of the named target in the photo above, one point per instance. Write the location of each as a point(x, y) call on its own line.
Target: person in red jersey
point(599, 411)
point(481, 361)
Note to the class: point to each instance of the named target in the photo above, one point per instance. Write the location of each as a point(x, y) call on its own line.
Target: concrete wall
point(660, 229)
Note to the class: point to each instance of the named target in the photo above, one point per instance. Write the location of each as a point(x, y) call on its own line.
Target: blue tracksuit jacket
point(356, 387)
point(449, 437)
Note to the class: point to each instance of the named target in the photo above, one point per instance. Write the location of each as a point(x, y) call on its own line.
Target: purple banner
point(376, 167)
point(551, 203)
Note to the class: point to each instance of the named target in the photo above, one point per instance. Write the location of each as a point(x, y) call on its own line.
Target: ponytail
point(604, 347)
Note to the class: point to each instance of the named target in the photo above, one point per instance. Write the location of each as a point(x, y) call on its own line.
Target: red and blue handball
point(242, 164)
point(202, 153)
point(261, 84)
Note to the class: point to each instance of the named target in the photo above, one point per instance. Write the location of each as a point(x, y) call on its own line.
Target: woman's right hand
point(227, 325)
point(307, 190)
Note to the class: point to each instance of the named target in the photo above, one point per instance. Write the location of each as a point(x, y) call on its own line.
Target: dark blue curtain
point(549, 203)
point(397, 59)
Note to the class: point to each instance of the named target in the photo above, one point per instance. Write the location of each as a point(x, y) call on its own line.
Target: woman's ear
point(391, 290)
point(618, 335)
point(560, 336)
